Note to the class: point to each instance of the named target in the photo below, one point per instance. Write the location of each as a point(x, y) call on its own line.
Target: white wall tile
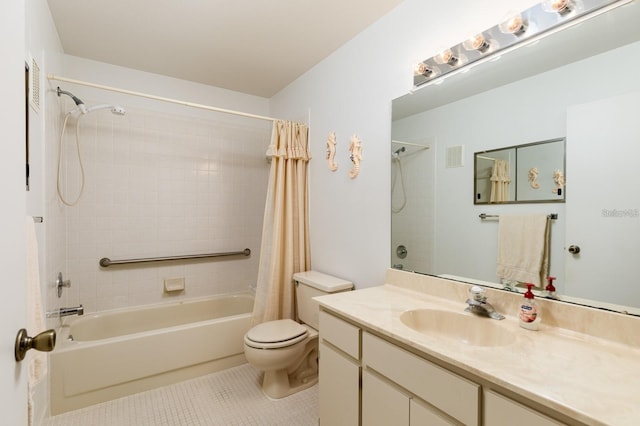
point(162, 184)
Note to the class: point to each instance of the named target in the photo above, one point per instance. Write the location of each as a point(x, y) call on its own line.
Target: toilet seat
point(276, 334)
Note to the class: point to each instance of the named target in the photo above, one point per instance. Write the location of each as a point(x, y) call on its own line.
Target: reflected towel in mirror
point(523, 248)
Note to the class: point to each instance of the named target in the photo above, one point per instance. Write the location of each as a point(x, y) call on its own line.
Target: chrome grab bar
point(106, 262)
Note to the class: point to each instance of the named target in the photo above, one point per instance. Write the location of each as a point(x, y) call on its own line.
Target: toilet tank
point(310, 284)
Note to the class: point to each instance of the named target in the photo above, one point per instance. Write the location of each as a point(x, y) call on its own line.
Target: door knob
point(44, 342)
point(573, 249)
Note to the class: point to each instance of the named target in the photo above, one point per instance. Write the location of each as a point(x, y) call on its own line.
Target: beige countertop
point(587, 378)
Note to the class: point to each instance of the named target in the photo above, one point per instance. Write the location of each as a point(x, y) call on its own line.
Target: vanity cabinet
point(339, 372)
point(371, 381)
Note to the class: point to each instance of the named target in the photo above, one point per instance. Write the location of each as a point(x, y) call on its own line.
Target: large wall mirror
point(578, 87)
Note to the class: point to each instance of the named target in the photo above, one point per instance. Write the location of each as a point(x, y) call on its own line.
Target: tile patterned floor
point(227, 398)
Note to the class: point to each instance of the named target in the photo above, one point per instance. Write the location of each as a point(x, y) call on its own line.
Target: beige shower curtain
point(500, 181)
point(285, 231)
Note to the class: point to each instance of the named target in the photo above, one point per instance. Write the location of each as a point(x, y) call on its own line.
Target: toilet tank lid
point(323, 282)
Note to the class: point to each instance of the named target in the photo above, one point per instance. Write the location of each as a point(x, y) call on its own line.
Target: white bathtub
point(122, 352)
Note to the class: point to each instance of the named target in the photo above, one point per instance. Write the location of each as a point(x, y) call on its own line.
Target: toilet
point(286, 350)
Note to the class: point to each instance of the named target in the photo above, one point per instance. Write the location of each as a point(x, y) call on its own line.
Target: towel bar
point(551, 216)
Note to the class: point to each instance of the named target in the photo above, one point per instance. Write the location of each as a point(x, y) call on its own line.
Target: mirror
point(552, 90)
point(526, 173)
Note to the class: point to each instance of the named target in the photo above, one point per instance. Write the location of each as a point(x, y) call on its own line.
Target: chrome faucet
point(65, 312)
point(477, 304)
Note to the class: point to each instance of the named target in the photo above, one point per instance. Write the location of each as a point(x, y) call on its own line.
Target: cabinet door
point(383, 404)
point(421, 414)
point(339, 378)
point(448, 392)
point(502, 411)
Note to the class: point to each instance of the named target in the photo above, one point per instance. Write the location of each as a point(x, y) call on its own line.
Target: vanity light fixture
point(531, 24)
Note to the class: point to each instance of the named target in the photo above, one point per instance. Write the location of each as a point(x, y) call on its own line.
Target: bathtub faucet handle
point(61, 283)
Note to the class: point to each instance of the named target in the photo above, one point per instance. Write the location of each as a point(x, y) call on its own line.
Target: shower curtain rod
point(159, 98)
point(410, 144)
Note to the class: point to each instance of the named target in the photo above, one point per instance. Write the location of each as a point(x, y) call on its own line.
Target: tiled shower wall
point(160, 184)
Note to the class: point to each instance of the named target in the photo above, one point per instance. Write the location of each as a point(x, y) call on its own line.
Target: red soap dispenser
point(529, 314)
point(550, 290)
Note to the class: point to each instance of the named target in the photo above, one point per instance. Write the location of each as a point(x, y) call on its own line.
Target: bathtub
point(104, 356)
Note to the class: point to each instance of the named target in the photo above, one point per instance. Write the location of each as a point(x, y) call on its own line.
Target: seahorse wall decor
point(331, 152)
point(533, 178)
point(558, 178)
point(355, 149)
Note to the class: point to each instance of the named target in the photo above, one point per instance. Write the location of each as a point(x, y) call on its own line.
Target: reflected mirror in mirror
point(579, 84)
point(525, 173)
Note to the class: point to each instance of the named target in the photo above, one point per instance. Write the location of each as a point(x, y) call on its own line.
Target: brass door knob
point(44, 342)
point(573, 249)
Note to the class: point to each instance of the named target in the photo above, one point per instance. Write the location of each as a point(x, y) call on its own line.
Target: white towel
point(523, 248)
point(36, 361)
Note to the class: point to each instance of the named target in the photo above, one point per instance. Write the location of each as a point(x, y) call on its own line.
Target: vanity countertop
point(590, 379)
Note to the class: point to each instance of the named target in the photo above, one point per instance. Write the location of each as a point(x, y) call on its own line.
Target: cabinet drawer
point(454, 395)
point(340, 334)
point(502, 411)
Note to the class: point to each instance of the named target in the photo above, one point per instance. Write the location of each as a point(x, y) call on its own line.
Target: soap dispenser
point(550, 290)
point(529, 314)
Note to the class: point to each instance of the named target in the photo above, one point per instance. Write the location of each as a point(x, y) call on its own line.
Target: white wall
point(350, 92)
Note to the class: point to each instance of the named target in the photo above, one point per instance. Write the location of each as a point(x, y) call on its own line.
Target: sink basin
point(466, 328)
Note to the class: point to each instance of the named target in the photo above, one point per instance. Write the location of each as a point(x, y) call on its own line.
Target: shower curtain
point(285, 231)
point(500, 181)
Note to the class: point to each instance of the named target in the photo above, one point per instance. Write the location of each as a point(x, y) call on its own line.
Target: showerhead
point(115, 109)
point(82, 108)
point(77, 100)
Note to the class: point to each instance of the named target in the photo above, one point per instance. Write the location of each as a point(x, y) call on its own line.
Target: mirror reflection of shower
point(397, 176)
point(80, 111)
point(397, 171)
point(412, 179)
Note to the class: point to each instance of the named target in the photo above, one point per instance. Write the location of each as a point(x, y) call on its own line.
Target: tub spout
point(65, 312)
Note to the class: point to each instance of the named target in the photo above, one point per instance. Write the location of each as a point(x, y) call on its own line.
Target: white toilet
point(286, 350)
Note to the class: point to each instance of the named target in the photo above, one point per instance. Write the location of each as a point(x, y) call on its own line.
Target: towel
point(37, 361)
point(523, 248)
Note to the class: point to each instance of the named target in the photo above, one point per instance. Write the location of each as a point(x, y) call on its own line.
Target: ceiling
point(250, 46)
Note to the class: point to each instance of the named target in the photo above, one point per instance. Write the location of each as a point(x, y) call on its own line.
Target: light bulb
point(447, 57)
point(477, 42)
point(424, 69)
point(515, 25)
point(561, 7)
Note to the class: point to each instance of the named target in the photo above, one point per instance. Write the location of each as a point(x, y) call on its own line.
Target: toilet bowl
point(286, 350)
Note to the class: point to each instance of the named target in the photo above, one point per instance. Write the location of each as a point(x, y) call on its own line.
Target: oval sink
point(467, 328)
